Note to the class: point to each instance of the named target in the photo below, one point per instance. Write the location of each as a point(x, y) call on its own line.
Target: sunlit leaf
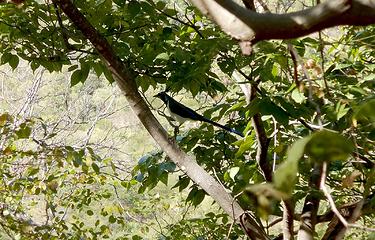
point(162, 56)
point(297, 96)
point(246, 144)
point(233, 172)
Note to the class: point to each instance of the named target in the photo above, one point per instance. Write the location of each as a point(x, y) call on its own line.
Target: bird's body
point(181, 113)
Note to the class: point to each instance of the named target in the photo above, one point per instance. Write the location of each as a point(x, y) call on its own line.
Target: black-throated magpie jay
point(181, 113)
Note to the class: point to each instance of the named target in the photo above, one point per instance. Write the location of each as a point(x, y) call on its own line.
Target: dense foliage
point(302, 86)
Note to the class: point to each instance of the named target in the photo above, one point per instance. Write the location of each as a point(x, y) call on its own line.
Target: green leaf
point(191, 194)
point(160, 5)
point(199, 197)
point(162, 56)
point(184, 183)
point(233, 172)
point(136, 237)
point(90, 212)
point(13, 61)
point(245, 145)
point(167, 32)
point(237, 106)
point(328, 146)
point(269, 108)
point(98, 68)
point(167, 166)
point(253, 108)
point(194, 87)
point(121, 3)
point(341, 110)
point(285, 175)
point(195, 196)
point(24, 131)
point(75, 158)
point(297, 96)
point(95, 167)
point(164, 178)
point(80, 75)
point(275, 70)
point(108, 75)
point(4, 118)
point(371, 135)
point(112, 219)
point(5, 58)
point(76, 77)
point(34, 65)
point(227, 177)
point(134, 8)
point(32, 171)
point(365, 112)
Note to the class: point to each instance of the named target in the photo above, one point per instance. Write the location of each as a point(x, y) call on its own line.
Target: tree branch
point(351, 212)
point(288, 215)
point(311, 205)
point(125, 78)
point(246, 25)
point(262, 140)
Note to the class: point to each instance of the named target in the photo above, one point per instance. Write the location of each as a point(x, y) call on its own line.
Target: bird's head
point(163, 96)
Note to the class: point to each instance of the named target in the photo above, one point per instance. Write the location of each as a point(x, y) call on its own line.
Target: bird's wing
point(183, 111)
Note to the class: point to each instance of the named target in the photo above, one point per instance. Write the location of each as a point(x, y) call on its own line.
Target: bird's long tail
point(222, 126)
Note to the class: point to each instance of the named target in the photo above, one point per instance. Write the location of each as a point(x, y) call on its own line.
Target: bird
point(182, 113)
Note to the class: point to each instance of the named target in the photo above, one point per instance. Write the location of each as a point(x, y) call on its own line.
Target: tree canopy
point(305, 104)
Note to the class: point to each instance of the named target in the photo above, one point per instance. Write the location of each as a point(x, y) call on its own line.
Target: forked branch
point(246, 25)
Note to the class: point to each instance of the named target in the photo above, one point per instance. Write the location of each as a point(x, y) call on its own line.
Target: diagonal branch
point(246, 25)
point(329, 197)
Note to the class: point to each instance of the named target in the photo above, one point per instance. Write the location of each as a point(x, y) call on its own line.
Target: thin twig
point(321, 48)
point(295, 65)
point(333, 205)
point(329, 197)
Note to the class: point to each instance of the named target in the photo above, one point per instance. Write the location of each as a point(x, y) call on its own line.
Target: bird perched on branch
point(181, 113)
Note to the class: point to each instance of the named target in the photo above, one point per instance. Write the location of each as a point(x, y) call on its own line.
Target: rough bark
point(247, 25)
point(288, 212)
